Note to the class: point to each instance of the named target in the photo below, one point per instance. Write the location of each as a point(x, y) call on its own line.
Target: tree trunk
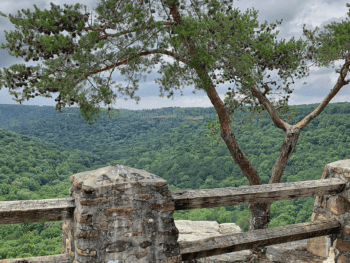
point(260, 220)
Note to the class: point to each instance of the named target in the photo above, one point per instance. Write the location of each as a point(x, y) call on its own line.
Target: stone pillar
point(122, 215)
point(335, 247)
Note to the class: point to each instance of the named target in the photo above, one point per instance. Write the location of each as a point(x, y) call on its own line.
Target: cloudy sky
point(294, 13)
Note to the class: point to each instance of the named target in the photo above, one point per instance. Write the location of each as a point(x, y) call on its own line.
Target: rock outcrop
point(291, 252)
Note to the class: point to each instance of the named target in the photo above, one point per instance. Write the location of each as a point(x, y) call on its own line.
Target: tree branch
point(270, 109)
point(340, 83)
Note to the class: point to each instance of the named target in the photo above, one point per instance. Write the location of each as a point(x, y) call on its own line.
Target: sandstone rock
point(291, 252)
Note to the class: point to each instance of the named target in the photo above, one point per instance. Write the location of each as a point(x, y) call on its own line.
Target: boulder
point(291, 252)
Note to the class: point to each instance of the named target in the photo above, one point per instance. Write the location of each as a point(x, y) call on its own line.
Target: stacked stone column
point(122, 215)
point(335, 247)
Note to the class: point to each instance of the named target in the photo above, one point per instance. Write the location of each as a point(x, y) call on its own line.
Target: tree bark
point(260, 212)
point(260, 220)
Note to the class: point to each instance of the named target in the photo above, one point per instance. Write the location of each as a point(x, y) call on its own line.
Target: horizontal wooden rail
point(57, 209)
point(231, 242)
point(23, 211)
point(265, 193)
point(263, 237)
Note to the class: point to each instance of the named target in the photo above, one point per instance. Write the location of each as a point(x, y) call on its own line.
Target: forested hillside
point(40, 148)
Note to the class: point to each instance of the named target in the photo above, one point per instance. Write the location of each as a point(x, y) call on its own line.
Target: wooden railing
point(13, 212)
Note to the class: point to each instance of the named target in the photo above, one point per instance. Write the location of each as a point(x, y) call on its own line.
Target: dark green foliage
point(40, 148)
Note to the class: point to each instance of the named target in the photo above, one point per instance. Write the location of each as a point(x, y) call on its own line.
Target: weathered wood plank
point(57, 209)
point(230, 196)
point(22, 211)
point(263, 237)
